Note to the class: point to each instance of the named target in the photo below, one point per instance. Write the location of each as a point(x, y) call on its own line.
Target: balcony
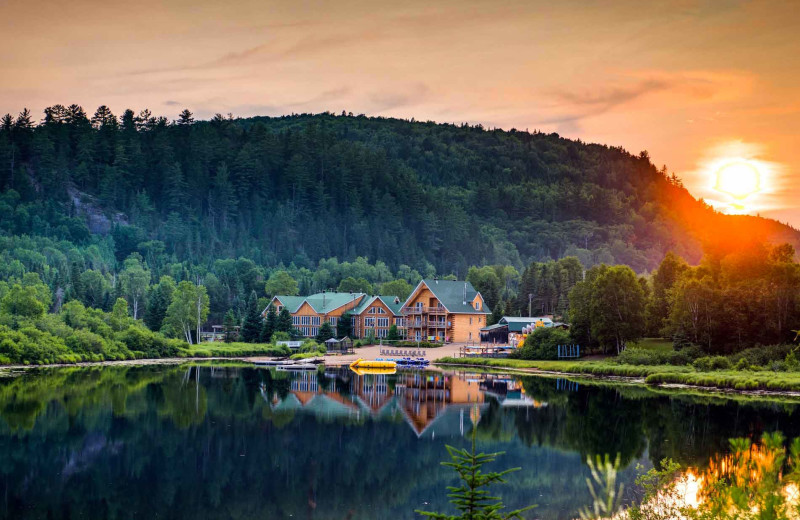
point(412, 311)
point(428, 324)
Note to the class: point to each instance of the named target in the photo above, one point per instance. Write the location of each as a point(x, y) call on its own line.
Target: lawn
point(658, 344)
point(652, 374)
point(235, 350)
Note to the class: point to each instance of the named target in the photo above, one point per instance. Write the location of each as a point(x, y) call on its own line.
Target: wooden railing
point(428, 324)
point(424, 310)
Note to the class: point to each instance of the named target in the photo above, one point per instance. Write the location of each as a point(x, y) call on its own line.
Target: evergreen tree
point(498, 311)
point(471, 499)
point(325, 333)
point(158, 299)
point(344, 327)
point(270, 325)
point(251, 326)
point(393, 334)
point(229, 326)
point(75, 286)
point(284, 323)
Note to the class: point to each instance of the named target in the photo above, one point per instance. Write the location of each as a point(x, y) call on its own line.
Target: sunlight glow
point(738, 179)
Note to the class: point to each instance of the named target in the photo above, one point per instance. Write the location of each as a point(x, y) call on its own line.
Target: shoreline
point(629, 380)
point(6, 370)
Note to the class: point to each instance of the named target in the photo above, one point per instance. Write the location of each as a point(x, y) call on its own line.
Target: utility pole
point(530, 302)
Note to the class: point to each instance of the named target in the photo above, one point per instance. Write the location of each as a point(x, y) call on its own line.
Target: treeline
point(299, 189)
point(728, 303)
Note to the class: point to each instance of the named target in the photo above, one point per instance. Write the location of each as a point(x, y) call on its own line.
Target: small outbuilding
point(340, 346)
point(509, 328)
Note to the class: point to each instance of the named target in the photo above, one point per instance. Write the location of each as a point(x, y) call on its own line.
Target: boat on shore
point(377, 363)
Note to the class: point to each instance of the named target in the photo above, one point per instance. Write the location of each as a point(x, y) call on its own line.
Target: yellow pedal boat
point(366, 363)
point(374, 371)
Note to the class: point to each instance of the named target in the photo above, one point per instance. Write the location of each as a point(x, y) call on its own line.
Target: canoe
point(366, 363)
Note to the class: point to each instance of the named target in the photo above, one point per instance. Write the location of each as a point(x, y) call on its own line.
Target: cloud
point(609, 97)
point(583, 104)
point(387, 100)
point(172, 103)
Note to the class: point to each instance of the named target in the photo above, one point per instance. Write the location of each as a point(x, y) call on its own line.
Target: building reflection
point(431, 403)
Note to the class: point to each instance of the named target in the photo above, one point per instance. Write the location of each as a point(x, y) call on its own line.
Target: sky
point(698, 84)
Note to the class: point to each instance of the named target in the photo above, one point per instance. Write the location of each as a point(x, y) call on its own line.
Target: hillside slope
point(306, 187)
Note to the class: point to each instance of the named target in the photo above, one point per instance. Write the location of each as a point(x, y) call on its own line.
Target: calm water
point(215, 442)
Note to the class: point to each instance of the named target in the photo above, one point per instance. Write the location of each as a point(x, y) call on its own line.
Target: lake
point(180, 442)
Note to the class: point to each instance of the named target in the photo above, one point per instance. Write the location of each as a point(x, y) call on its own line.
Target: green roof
point(492, 327)
point(389, 301)
point(451, 294)
point(322, 303)
point(517, 323)
point(292, 303)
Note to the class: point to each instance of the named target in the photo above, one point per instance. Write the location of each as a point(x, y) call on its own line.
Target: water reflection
point(229, 442)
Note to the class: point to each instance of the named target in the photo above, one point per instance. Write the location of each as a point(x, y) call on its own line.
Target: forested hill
point(306, 187)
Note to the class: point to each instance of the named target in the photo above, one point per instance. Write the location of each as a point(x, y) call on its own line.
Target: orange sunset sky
point(697, 84)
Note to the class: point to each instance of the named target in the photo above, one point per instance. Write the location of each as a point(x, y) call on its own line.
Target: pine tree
point(251, 326)
point(229, 326)
point(76, 288)
point(158, 299)
point(393, 335)
point(325, 333)
point(270, 325)
point(344, 327)
point(284, 323)
point(471, 499)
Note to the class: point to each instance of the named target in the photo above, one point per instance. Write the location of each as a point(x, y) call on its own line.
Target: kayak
point(366, 363)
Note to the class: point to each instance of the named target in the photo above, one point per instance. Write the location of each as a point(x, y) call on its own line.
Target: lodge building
point(445, 311)
point(436, 310)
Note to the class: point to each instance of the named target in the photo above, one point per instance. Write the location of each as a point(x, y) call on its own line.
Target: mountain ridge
point(305, 187)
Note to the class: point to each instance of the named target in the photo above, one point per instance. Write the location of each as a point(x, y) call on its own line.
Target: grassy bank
point(652, 374)
point(235, 350)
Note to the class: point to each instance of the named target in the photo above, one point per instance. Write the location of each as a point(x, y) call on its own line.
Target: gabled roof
point(325, 302)
point(292, 303)
point(451, 294)
point(321, 303)
point(387, 300)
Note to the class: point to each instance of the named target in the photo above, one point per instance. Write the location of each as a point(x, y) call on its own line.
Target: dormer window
point(477, 305)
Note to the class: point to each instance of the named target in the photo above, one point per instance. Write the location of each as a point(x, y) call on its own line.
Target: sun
point(739, 179)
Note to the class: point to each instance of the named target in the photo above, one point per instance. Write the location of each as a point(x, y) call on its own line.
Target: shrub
point(762, 356)
point(416, 344)
point(639, 356)
point(709, 363)
point(543, 344)
point(150, 343)
point(791, 362)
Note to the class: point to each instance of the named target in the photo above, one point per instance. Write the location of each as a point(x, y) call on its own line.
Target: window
point(369, 322)
point(333, 321)
point(470, 320)
point(383, 322)
point(400, 322)
point(382, 333)
point(314, 331)
point(315, 320)
point(477, 306)
point(295, 320)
